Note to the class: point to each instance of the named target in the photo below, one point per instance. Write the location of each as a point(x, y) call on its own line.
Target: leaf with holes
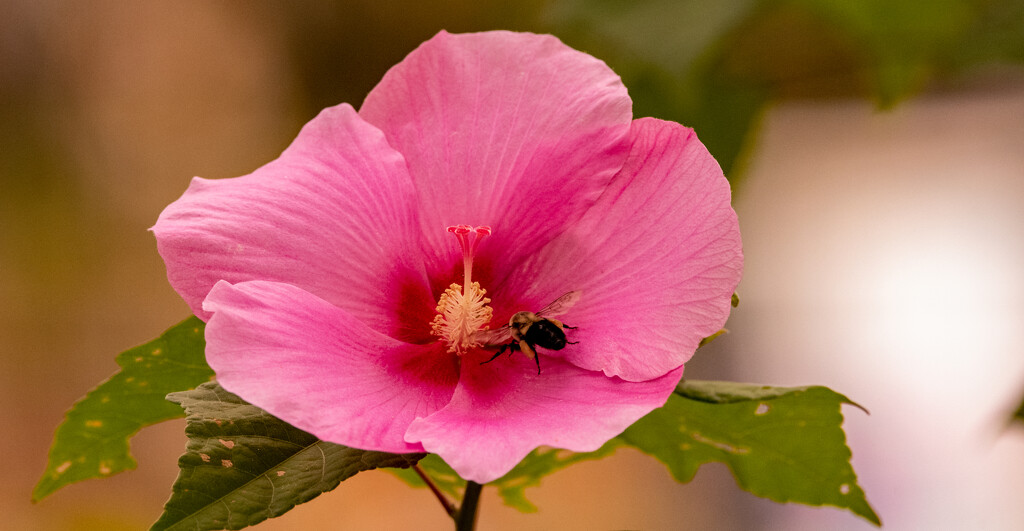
point(785, 444)
point(242, 465)
point(92, 441)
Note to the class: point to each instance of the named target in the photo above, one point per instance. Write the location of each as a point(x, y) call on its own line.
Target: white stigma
point(462, 311)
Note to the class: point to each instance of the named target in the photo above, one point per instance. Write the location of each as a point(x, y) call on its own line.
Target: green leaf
point(242, 465)
point(539, 463)
point(92, 441)
point(512, 486)
point(785, 444)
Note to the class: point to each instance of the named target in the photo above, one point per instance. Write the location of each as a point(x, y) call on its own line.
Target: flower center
point(462, 310)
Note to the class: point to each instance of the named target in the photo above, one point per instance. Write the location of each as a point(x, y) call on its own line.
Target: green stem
point(465, 518)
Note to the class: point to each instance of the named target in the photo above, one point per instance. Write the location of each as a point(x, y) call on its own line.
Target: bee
point(526, 331)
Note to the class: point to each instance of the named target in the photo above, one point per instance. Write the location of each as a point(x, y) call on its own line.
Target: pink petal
point(657, 259)
point(320, 369)
point(512, 130)
point(333, 215)
point(503, 410)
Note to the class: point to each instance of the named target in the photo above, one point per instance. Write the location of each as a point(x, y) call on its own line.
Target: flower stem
point(465, 518)
point(448, 506)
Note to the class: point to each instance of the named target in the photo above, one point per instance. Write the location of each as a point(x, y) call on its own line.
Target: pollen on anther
point(460, 314)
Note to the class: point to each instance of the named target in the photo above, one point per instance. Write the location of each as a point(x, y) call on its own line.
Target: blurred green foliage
point(714, 66)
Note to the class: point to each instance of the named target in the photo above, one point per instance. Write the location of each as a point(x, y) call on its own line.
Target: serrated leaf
point(243, 465)
point(92, 441)
point(785, 444)
point(512, 486)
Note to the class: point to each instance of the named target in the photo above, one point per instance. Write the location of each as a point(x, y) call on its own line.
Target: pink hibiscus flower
point(326, 277)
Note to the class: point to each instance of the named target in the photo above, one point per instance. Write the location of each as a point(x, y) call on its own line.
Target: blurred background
point(877, 157)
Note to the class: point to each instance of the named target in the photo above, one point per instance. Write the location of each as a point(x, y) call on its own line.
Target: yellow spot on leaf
point(157, 351)
point(64, 467)
point(138, 358)
point(844, 488)
point(205, 458)
point(104, 469)
point(280, 473)
point(229, 444)
point(762, 408)
point(226, 463)
point(94, 423)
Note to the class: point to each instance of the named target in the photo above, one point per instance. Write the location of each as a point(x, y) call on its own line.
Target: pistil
point(462, 310)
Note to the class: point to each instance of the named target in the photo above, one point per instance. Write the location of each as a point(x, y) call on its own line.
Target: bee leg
point(527, 348)
point(508, 346)
point(560, 324)
point(570, 328)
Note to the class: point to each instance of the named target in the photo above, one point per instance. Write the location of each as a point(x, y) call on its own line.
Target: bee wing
point(498, 336)
point(561, 304)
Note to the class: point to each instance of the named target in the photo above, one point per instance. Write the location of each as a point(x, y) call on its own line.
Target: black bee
point(526, 331)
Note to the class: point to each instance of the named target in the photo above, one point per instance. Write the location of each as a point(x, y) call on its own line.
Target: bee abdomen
point(546, 334)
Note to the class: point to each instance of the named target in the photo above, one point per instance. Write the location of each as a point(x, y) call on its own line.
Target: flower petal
point(657, 259)
point(512, 130)
point(333, 215)
point(320, 369)
point(503, 410)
